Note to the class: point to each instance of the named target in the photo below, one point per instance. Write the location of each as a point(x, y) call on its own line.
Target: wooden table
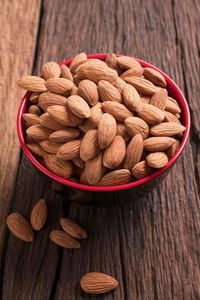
point(152, 245)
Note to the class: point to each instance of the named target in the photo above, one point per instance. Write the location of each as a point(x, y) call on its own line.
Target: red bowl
point(173, 90)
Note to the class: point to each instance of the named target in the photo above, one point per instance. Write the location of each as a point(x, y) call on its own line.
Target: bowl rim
point(102, 56)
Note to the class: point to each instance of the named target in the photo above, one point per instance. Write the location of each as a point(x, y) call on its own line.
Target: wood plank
point(18, 27)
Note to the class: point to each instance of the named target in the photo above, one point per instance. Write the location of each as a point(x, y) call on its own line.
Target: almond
point(89, 146)
point(59, 85)
point(39, 132)
point(73, 229)
point(173, 100)
point(50, 147)
point(31, 119)
point(108, 92)
point(96, 114)
point(121, 130)
point(83, 179)
point(66, 73)
point(112, 62)
point(117, 110)
point(94, 169)
point(88, 90)
point(114, 153)
point(158, 143)
point(155, 77)
point(135, 125)
point(47, 121)
point(142, 85)
point(78, 58)
point(96, 72)
point(39, 215)
point(172, 150)
point(136, 71)
point(20, 227)
point(157, 160)
point(62, 239)
point(159, 99)
point(151, 114)
point(177, 116)
point(37, 150)
point(64, 135)
point(34, 109)
point(50, 70)
point(117, 177)
point(132, 98)
point(142, 170)
point(79, 162)
point(34, 97)
point(172, 107)
point(133, 152)
point(74, 90)
point(32, 83)
point(76, 80)
point(62, 168)
point(106, 130)
point(145, 98)
point(126, 62)
point(69, 150)
point(75, 67)
point(86, 126)
point(169, 117)
point(98, 283)
point(119, 83)
point(78, 106)
point(167, 129)
point(63, 115)
point(49, 99)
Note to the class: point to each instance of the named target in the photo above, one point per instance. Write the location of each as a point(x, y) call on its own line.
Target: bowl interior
point(173, 91)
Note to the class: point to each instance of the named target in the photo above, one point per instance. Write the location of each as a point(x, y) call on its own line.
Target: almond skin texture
point(126, 62)
point(73, 229)
point(39, 215)
point(37, 150)
point(117, 110)
point(62, 239)
point(142, 170)
point(39, 132)
point(157, 160)
point(117, 177)
point(89, 146)
point(167, 129)
point(112, 62)
point(62, 168)
point(78, 106)
point(32, 83)
point(119, 83)
point(94, 169)
point(64, 135)
point(158, 143)
point(51, 69)
point(78, 58)
point(114, 153)
point(145, 98)
point(47, 121)
point(34, 98)
point(96, 114)
point(142, 85)
point(49, 99)
point(34, 109)
point(31, 119)
point(98, 283)
point(86, 126)
point(107, 129)
point(133, 152)
point(79, 162)
point(121, 130)
point(108, 92)
point(50, 146)
point(20, 227)
point(136, 71)
point(172, 150)
point(132, 98)
point(159, 99)
point(88, 90)
point(155, 77)
point(69, 150)
point(59, 85)
point(66, 73)
point(151, 114)
point(172, 107)
point(63, 115)
point(169, 117)
point(135, 125)
point(83, 179)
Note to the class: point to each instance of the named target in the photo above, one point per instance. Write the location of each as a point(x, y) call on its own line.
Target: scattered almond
point(39, 215)
point(73, 229)
point(20, 227)
point(62, 239)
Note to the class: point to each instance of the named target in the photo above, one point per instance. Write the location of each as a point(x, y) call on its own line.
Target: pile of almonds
point(101, 123)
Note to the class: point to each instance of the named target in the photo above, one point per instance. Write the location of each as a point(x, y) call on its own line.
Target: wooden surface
point(152, 245)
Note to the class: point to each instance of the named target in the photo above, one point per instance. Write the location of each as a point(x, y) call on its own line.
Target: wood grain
point(151, 246)
point(19, 23)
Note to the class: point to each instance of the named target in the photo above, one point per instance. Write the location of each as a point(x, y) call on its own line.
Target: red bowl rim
point(185, 111)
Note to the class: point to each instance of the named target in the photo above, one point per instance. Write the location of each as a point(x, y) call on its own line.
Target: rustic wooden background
point(152, 245)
